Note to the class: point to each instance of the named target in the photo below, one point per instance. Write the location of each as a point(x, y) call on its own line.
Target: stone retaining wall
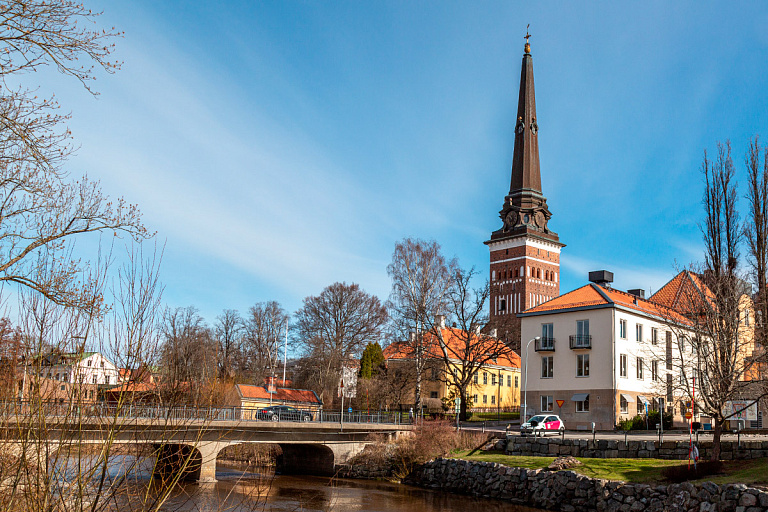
point(568, 491)
point(607, 449)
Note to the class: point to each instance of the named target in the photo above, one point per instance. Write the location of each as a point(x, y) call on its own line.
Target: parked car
point(284, 413)
point(542, 424)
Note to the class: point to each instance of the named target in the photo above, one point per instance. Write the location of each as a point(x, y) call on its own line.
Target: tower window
point(503, 305)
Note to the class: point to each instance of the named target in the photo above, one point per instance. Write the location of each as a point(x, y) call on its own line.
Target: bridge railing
point(101, 410)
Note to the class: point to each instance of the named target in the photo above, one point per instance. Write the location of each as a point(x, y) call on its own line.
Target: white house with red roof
point(603, 354)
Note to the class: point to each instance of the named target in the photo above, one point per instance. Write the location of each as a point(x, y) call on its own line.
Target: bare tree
point(265, 327)
point(714, 342)
point(41, 209)
point(188, 355)
point(421, 284)
point(463, 348)
point(756, 233)
point(229, 335)
point(334, 327)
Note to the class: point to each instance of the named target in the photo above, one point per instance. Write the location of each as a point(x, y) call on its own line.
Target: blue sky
point(278, 147)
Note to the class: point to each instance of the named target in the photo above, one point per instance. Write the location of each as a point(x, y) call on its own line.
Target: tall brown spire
point(525, 209)
point(525, 163)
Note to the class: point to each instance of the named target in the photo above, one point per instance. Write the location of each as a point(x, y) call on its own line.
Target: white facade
point(93, 368)
point(604, 351)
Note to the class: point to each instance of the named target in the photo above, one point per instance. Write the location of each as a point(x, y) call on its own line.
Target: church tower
point(525, 253)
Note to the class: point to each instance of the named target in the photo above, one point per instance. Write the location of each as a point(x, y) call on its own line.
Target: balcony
point(545, 345)
point(579, 341)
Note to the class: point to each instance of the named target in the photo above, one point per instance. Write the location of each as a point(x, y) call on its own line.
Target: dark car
point(284, 413)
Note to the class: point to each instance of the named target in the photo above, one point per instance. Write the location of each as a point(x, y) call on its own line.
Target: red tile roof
point(682, 291)
point(290, 395)
point(455, 340)
point(594, 296)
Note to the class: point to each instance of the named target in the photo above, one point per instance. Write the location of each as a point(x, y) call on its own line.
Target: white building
point(80, 368)
point(603, 354)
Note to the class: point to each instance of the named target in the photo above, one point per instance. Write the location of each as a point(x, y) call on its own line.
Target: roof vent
point(637, 292)
point(601, 277)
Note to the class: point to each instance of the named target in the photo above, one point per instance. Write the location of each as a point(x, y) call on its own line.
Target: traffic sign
point(560, 402)
point(688, 415)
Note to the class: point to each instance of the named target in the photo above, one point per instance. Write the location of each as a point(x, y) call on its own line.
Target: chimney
point(440, 321)
point(494, 333)
point(477, 330)
point(602, 278)
point(412, 336)
point(637, 292)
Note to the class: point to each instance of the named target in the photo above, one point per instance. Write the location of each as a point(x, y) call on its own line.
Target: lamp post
point(525, 391)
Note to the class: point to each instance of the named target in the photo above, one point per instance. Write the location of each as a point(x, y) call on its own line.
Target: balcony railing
point(545, 345)
point(581, 341)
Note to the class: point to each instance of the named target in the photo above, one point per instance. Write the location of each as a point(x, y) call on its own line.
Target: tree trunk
point(716, 439)
point(463, 405)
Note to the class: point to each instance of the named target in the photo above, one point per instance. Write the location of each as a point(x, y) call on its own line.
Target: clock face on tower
point(540, 219)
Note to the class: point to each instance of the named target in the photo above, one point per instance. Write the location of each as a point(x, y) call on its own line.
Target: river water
point(260, 489)
point(244, 491)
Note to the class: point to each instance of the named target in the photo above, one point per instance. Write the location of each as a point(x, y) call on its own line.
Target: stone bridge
point(192, 446)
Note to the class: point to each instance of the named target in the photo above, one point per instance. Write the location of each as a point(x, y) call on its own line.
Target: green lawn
point(753, 471)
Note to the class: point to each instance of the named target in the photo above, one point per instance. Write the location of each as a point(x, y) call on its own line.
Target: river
point(243, 491)
point(260, 489)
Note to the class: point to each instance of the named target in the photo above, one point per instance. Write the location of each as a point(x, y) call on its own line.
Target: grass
point(492, 416)
point(754, 471)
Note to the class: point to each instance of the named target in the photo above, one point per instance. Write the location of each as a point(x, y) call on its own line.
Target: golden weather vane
point(526, 37)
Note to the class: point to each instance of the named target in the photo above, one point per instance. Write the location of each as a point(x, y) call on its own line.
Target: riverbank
point(569, 491)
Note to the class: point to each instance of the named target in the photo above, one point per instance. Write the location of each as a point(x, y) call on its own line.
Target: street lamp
point(525, 391)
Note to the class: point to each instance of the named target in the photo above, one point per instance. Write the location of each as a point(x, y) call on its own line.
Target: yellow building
point(495, 385)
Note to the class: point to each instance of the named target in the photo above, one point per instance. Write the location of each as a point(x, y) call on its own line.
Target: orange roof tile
point(455, 342)
point(280, 394)
point(594, 296)
point(681, 291)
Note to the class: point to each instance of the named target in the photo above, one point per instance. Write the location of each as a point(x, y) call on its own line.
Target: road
point(673, 435)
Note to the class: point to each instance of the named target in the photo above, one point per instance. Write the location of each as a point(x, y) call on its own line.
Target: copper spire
point(525, 162)
point(525, 210)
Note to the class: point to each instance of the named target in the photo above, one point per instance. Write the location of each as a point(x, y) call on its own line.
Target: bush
point(427, 441)
point(639, 423)
point(682, 473)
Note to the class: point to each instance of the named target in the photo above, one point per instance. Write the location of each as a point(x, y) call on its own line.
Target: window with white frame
point(583, 405)
point(622, 365)
point(654, 370)
point(485, 399)
point(582, 333)
point(474, 399)
point(546, 403)
point(493, 379)
point(623, 329)
point(547, 335)
point(493, 399)
point(654, 336)
point(509, 381)
point(624, 405)
point(516, 382)
point(639, 368)
point(475, 379)
point(638, 332)
point(582, 365)
point(547, 367)
point(485, 378)
point(640, 406)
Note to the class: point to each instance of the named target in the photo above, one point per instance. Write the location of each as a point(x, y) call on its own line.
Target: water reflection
point(283, 493)
point(260, 489)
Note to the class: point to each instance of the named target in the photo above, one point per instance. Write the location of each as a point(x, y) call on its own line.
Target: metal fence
point(208, 414)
